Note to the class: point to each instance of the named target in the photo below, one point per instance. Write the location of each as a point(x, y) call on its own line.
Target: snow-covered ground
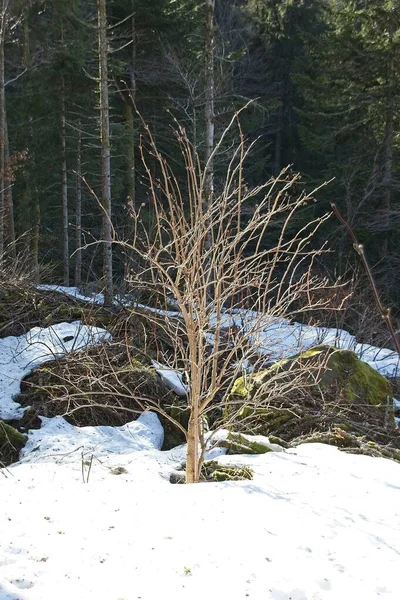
point(276, 337)
point(89, 514)
point(20, 355)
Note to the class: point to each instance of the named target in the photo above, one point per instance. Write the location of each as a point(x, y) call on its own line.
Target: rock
point(213, 471)
point(239, 443)
point(11, 442)
point(296, 388)
point(354, 379)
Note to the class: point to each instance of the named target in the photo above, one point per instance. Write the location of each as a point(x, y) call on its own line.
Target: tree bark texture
point(78, 212)
point(64, 175)
point(3, 18)
point(105, 152)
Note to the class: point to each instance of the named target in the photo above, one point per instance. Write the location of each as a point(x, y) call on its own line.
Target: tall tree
point(209, 84)
point(350, 116)
point(7, 233)
point(105, 151)
point(78, 211)
point(282, 25)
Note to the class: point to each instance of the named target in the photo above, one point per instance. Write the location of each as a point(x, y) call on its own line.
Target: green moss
point(9, 435)
point(212, 471)
point(274, 439)
point(357, 380)
point(241, 387)
point(326, 372)
point(11, 442)
point(237, 443)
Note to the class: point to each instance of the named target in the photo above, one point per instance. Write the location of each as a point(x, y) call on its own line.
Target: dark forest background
point(323, 77)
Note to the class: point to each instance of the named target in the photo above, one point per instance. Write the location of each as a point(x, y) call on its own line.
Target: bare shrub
point(232, 268)
point(17, 272)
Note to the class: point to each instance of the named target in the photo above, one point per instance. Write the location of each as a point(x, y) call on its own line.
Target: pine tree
point(350, 115)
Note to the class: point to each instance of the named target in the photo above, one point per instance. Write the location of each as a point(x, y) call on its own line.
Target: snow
point(20, 355)
point(89, 513)
point(276, 337)
point(313, 524)
point(73, 292)
point(171, 378)
point(57, 438)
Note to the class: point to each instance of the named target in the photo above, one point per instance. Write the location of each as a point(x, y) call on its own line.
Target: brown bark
point(193, 438)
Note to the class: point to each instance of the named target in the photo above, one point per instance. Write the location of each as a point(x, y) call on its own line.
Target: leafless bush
point(17, 272)
point(232, 268)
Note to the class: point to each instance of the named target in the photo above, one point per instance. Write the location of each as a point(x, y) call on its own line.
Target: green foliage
point(324, 78)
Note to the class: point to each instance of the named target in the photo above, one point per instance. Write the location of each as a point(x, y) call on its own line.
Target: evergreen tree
point(350, 115)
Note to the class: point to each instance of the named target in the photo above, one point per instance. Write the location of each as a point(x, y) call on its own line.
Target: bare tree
point(64, 177)
point(257, 271)
point(78, 210)
point(209, 103)
point(105, 151)
point(4, 5)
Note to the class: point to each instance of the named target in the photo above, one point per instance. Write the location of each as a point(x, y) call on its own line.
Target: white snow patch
point(275, 337)
point(58, 440)
point(171, 378)
point(20, 355)
point(74, 292)
point(313, 524)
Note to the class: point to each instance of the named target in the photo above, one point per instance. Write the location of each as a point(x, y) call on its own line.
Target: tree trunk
point(35, 229)
point(78, 212)
point(3, 8)
point(388, 140)
point(105, 152)
point(279, 133)
point(130, 150)
point(31, 193)
point(8, 198)
point(64, 187)
point(209, 107)
point(129, 114)
point(193, 439)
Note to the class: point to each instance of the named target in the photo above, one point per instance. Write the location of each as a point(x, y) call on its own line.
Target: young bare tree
point(256, 268)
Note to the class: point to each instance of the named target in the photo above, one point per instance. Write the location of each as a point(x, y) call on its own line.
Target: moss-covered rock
point(356, 380)
point(11, 442)
point(213, 471)
point(320, 372)
point(239, 443)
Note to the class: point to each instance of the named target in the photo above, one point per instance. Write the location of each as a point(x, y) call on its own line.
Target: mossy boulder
point(355, 379)
point(213, 471)
point(239, 443)
point(320, 372)
point(11, 442)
